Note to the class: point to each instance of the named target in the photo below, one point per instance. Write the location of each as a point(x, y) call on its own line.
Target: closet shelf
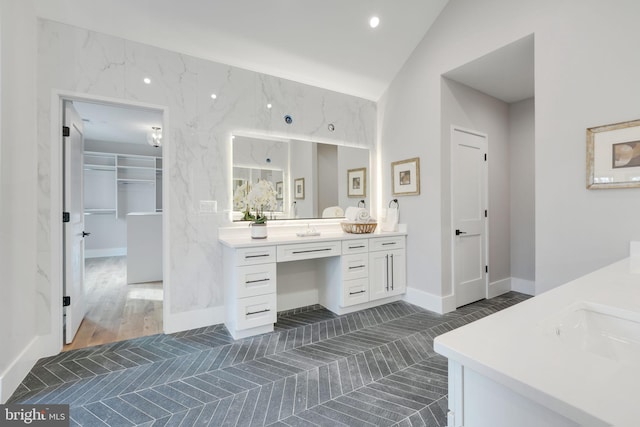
point(99, 211)
point(135, 181)
point(92, 167)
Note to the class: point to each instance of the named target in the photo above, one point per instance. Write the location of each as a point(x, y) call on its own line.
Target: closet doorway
point(121, 194)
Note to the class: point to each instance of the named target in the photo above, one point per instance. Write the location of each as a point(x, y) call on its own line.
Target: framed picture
point(279, 190)
point(298, 188)
point(357, 182)
point(405, 177)
point(613, 156)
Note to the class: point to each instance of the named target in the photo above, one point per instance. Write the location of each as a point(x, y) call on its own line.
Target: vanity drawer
point(259, 279)
point(260, 255)
point(355, 266)
point(355, 292)
point(299, 251)
point(356, 246)
point(386, 243)
point(256, 311)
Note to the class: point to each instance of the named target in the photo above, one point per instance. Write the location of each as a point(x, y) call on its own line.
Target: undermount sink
point(599, 329)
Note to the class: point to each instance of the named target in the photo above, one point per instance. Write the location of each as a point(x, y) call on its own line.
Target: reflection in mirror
point(311, 180)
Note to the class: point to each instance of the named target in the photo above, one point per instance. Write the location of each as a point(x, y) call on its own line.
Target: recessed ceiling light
point(214, 96)
point(147, 80)
point(269, 105)
point(374, 21)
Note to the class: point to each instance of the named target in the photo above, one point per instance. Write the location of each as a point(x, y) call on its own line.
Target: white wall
point(20, 301)
point(522, 178)
point(584, 76)
point(467, 108)
point(327, 156)
point(303, 164)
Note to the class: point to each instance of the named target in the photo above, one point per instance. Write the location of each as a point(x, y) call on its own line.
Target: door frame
point(55, 204)
point(456, 128)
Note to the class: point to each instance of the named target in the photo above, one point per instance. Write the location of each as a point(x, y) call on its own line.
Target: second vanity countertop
point(520, 348)
point(240, 237)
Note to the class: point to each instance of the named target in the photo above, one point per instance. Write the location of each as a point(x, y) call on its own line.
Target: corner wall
point(584, 76)
point(470, 109)
point(18, 172)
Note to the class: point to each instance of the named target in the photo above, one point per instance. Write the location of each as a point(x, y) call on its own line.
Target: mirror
point(309, 179)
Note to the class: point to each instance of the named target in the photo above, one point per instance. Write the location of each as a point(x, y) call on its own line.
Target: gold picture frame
point(405, 177)
point(613, 156)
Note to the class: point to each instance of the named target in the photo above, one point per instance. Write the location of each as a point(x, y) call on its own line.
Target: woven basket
point(359, 227)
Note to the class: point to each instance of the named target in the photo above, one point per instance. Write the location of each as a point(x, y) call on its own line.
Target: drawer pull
point(266, 310)
point(256, 281)
point(356, 247)
point(356, 266)
point(255, 256)
point(359, 292)
point(389, 243)
point(311, 250)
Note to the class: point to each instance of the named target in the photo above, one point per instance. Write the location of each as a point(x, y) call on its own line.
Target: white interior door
point(469, 195)
point(73, 229)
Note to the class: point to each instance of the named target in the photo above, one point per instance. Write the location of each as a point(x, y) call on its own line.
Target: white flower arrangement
point(259, 196)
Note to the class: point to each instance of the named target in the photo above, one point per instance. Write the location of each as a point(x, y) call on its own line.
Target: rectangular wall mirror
point(309, 179)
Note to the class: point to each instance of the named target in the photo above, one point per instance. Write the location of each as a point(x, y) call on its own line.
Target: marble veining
point(198, 130)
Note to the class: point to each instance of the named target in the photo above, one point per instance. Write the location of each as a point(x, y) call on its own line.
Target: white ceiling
point(506, 73)
point(325, 43)
point(103, 122)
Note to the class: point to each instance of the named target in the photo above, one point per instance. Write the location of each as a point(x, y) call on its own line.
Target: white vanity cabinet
point(349, 273)
point(250, 294)
point(387, 267)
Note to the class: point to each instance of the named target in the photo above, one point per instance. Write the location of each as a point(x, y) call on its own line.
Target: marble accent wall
point(197, 150)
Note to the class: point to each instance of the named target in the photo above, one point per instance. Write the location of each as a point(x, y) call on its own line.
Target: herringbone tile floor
point(375, 367)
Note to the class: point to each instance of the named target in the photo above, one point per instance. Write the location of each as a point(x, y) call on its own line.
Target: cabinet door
point(387, 274)
point(379, 279)
point(398, 273)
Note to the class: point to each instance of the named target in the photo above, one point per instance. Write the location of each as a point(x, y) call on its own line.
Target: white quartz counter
point(240, 237)
point(520, 349)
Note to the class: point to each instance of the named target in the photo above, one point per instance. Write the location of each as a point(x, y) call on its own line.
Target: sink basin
point(599, 329)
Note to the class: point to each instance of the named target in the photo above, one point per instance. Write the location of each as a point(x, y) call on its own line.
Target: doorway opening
point(113, 261)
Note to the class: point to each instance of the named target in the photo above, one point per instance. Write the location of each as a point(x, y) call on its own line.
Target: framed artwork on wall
point(279, 190)
point(357, 182)
point(613, 155)
point(405, 177)
point(298, 188)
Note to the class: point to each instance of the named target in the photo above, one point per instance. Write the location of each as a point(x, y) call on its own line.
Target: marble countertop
point(240, 237)
point(517, 348)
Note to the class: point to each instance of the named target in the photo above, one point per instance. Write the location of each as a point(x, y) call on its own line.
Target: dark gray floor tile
point(275, 402)
point(300, 399)
point(126, 410)
point(108, 415)
point(221, 411)
point(320, 420)
point(162, 401)
point(262, 405)
point(359, 414)
point(249, 406)
point(83, 417)
point(145, 406)
point(234, 409)
point(288, 397)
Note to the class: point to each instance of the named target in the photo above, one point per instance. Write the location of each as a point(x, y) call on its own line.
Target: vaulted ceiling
point(326, 43)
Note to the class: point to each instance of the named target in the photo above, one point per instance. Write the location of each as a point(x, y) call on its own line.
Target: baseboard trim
point(101, 253)
point(523, 286)
point(19, 368)
point(178, 322)
point(429, 301)
point(499, 287)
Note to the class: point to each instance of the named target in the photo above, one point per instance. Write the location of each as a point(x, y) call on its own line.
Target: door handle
point(85, 234)
point(458, 232)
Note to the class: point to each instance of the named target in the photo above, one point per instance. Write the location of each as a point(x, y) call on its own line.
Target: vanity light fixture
point(154, 138)
point(374, 21)
point(147, 80)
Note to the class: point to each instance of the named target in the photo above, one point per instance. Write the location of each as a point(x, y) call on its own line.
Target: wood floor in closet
point(117, 311)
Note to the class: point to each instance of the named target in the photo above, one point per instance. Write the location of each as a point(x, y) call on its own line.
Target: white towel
point(390, 221)
point(353, 214)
